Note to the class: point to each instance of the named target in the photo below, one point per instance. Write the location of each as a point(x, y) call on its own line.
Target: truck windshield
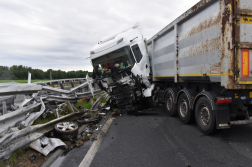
point(113, 62)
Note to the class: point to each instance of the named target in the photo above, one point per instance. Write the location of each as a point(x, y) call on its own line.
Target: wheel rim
point(183, 108)
point(205, 116)
point(66, 126)
point(169, 103)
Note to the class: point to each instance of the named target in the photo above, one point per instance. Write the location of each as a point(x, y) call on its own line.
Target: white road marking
point(86, 162)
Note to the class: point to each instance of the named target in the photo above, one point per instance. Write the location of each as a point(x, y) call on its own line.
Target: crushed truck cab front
point(122, 68)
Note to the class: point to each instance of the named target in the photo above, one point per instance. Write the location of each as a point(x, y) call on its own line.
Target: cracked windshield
point(113, 62)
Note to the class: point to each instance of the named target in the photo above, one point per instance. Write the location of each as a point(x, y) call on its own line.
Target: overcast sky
point(59, 34)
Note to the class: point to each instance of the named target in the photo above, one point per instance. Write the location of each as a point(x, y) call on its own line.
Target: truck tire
point(184, 111)
point(66, 130)
point(151, 103)
point(205, 117)
point(170, 106)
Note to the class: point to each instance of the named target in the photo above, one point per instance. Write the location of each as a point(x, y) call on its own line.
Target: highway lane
point(151, 138)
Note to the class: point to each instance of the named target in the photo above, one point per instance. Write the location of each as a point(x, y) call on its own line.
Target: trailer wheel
point(184, 111)
point(170, 106)
point(205, 117)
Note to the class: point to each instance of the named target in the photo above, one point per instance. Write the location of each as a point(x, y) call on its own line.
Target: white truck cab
point(121, 63)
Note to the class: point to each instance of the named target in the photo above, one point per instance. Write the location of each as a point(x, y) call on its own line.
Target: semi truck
point(198, 66)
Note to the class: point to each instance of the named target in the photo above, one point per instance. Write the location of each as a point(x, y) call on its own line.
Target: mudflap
point(222, 115)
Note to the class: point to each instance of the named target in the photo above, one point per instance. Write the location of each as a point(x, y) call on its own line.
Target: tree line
point(17, 72)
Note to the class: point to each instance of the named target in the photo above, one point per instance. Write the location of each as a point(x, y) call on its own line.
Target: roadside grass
point(84, 103)
point(20, 154)
point(65, 111)
point(103, 100)
point(88, 105)
point(23, 81)
point(45, 120)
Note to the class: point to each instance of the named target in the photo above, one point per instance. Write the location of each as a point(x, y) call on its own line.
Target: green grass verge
point(43, 121)
point(84, 103)
point(23, 81)
point(103, 100)
point(88, 105)
point(14, 157)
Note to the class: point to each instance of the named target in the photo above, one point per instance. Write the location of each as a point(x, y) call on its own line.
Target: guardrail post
point(61, 85)
point(72, 84)
point(92, 100)
point(4, 108)
point(57, 112)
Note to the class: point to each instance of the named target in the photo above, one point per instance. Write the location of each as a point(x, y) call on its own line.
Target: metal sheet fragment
point(12, 142)
point(12, 119)
point(33, 116)
point(45, 145)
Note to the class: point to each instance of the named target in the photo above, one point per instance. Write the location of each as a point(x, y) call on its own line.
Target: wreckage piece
point(66, 130)
point(88, 94)
point(90, 85)
point(33, 116)
point(62, 98)
point(14, 89)
point(45, 145)
point(9, 100)
point(98, 101)
point(89, 120)
point(73, 98)
point(12, 142)
point(55, 82)
point(4, 108)
point(8, 83)
point(12, 119)
point(25, 101)
point(63, 91)
point(70, 107)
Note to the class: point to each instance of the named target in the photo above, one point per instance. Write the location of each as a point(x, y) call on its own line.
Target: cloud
point(59, 34)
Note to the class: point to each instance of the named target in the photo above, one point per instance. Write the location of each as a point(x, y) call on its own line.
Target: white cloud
point(59, 34)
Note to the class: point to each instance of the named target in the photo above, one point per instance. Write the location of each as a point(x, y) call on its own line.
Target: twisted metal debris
point(22, 114)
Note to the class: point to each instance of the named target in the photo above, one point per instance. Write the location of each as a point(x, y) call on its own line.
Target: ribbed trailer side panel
point(163, 55)
point(199, 44)
point(190, 48)
point(210, 42)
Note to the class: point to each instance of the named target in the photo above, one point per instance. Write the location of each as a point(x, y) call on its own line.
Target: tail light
point(245, 63)
point(222, 100)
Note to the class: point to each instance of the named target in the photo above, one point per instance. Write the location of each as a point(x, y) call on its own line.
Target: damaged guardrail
point(13, 89)
point(26, 112)
point(19, 139)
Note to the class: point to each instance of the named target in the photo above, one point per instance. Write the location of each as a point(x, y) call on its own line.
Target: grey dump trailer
point(201, 64)
point(198, 65)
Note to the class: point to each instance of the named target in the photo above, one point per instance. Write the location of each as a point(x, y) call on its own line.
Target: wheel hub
point(169, 104)
point(66, 126)
point(204, 116)
point(183, 108)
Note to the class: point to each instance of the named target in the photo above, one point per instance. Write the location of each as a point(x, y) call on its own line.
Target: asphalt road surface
point(151, 138)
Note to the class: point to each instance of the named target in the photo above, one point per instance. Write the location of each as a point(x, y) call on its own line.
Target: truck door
point(244, 40)
point(142, 66)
